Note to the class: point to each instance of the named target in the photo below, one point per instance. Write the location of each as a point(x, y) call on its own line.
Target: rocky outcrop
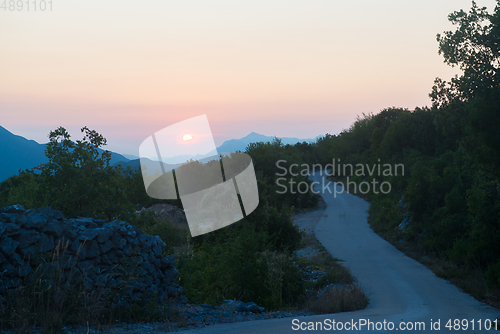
point(166, 212)
point(116, 257)
point(239, 306)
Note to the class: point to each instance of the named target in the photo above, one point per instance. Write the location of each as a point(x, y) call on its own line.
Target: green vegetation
point(447, 204)
point(77, 180)
point(239, 261)
point(446, 201)
point(337, 287)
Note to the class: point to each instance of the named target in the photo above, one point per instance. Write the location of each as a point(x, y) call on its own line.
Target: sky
point(128, 69)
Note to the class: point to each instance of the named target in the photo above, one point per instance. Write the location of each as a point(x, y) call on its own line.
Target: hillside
point(18, 153)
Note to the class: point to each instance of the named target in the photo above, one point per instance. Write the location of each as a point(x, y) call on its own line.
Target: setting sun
point(187, 136)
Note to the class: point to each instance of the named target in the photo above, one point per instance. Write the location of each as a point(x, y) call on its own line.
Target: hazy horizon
point(128, 70)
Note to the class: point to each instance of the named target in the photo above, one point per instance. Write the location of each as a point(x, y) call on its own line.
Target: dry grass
point(57, 294)
point(336, 291)
point(53, 295)
point(337, 299)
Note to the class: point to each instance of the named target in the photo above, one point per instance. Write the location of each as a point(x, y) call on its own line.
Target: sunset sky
point(287, 68)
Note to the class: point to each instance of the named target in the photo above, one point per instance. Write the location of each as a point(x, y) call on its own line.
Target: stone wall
point(116, 257)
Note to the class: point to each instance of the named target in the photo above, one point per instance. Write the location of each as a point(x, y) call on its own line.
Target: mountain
point(234, 145)
point(18, 153)
point(130, 156)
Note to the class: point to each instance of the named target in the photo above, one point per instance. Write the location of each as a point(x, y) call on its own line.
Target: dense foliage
point(448, 200)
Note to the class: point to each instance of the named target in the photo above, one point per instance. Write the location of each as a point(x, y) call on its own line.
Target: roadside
point(468, 280)
point(330, 288)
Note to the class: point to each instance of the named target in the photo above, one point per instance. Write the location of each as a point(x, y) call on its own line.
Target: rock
point(35, 220)
point(46, 242)
point(8, 246)
point(53, 227)
point(3, 227)
point(8, 270)
point(91, 249)
point(404, 223)
point(86, 267)
point(103, 235)
point(158, 246)
point(239, 306)
point(254, 308)
point(114, 255)
point(11, 228)
point(116, 239)
point(105, 247)
point(26, 238)
point(16, 260)
point(8, 218)
point(28, 251)
point(17, 208)
point(88, 234)
point(146, 243)
point(78, 249)
point(126, 230)
point(85, 221)
point(71, 234)
point(25, 270)
point(183, 299)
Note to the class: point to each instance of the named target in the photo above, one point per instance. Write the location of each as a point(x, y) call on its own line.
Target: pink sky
point(293, 69)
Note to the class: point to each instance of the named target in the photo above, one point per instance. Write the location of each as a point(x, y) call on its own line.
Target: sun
point(187, 136)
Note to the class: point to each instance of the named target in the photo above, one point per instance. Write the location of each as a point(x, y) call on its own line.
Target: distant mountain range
point(18, 153)
point(232, 145)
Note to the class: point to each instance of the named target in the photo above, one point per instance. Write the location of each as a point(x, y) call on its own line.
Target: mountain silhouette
point(18, 153)
point(231, 145)
point(234, 145)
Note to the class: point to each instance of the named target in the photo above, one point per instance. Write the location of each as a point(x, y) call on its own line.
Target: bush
point(278, 274)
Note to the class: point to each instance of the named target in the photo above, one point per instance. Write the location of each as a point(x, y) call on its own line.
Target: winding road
point(404, 294)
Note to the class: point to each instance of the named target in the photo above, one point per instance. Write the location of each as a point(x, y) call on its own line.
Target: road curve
point(402, 291)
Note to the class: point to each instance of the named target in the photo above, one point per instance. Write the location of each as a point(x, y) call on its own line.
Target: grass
point(336, 291)
point(470, 280)
point(173, 234)
point(54, 295)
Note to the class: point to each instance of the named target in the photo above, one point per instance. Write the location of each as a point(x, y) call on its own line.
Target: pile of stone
point(239, 306)
point(116, 257)
point(166, 212)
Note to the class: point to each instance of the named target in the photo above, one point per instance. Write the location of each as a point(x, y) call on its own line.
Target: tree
point(475, 48)
point(78, 180)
